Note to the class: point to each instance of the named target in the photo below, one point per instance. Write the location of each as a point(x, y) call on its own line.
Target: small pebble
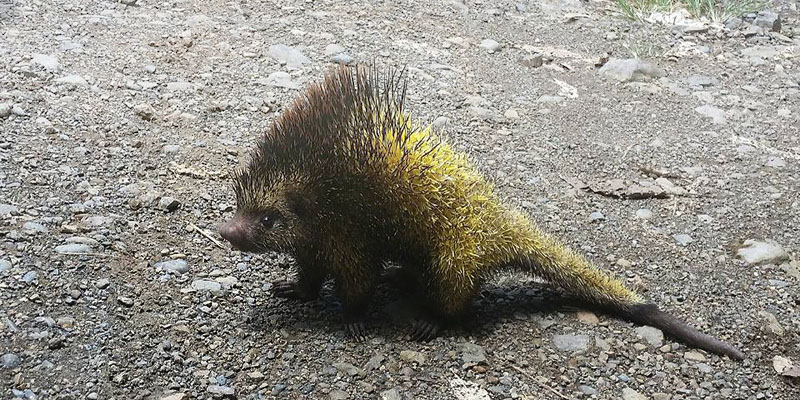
point(125, 301)
point(683, 239)
point(596, 216)
point(179, 266)
point(490, 45)
point(412, 356)
point(571, 342)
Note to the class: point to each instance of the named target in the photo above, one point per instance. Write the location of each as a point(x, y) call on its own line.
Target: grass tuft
point(714, 10)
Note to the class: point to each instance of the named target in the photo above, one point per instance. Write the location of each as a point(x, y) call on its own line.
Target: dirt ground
point(119, 125)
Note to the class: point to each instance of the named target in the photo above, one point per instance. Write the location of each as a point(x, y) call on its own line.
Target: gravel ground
point(120, 124)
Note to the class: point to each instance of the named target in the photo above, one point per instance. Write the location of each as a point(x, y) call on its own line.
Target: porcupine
point(345, 182)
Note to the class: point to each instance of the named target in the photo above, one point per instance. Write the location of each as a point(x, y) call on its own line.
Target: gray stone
point(279, 79)
point(10, 361)
point(792, 269)
point(472, 354)
point(180, 266)
point(440, 122)
point(73, 80)
point(290, 56)
point(171, 148)
point(571, 342)
point(481, 112)
point(704, 368)
point(532, 60)
point(630, 394)
point(102, 283)
point(219, 390)
point(179, 87)
point(596, 216)
point(768, 20)
point(752, 30)
point(338, 394)
point(167, 203)
point(694, 356)
point(348, 369)
point(125, 301)
point(374, 362)
point(701, 81)
point(644, 213)
point(342, 59)
point(716, 114)
point(5, 110)
point(5, 265)
point(227, 282)
point(206, 286)
point(490, 45)
point(652, 336)
point(29, 276)
point(97, 221)
point(465, 390)
point(333, 49)
point(669, 187)
point(144, 111)
point(8, 209)
point(775, 162)
point(412, 356)
point(74, 248)
point(391, 394)
point(627, 70)
point(683, 239)
point(757, 252)
point(587, 390)
point(745, 149)
point(550, 99)
point(34, 227)
point(761, 51)
point(48, 62)
point(772, 324)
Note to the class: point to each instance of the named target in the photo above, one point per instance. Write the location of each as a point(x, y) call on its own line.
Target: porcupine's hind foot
point(424, 330)
point(292, 290)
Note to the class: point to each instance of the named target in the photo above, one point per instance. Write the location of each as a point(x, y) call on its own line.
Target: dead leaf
point(784, 367)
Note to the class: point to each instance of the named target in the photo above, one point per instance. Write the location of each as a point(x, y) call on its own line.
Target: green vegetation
point(714, 10)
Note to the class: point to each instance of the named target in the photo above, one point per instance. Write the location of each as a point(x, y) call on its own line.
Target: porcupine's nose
point(235, 232)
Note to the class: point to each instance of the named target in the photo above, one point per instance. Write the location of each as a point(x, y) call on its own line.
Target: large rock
point(756, 252)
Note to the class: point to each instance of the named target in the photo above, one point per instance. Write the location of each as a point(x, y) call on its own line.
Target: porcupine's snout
point(237, 233)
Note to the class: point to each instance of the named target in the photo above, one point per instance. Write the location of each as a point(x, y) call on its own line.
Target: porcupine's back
point(351, 140)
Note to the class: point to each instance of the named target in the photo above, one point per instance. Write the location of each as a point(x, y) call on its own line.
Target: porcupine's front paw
point(357, 330)
point(290, 290)
point(424, 330)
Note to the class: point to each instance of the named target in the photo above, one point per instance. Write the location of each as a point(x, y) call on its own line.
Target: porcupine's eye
point(268, 221)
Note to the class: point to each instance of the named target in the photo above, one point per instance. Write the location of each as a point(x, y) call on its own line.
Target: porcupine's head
point(269, 215)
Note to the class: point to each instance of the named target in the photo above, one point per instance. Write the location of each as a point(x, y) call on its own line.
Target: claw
point(423, 331)
point(289, 290)
point(356, 330)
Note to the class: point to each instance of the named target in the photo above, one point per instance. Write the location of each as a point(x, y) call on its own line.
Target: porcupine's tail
point(554, 262)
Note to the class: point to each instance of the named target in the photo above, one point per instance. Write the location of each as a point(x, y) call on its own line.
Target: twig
point(202, 232)
point(557, 393)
